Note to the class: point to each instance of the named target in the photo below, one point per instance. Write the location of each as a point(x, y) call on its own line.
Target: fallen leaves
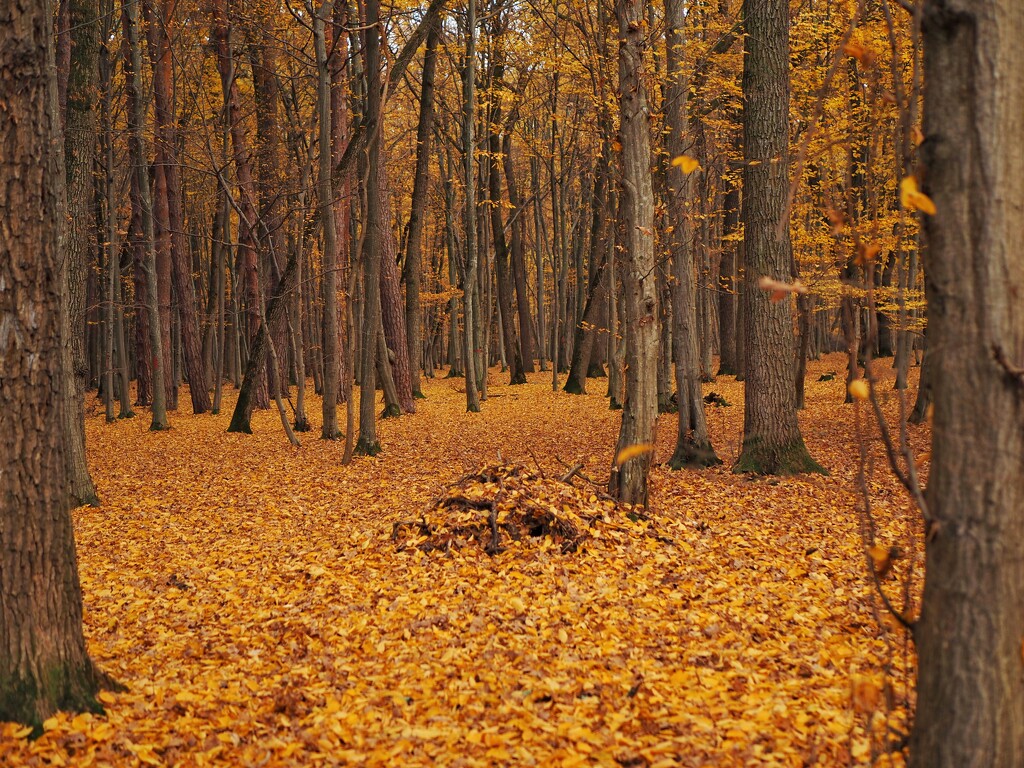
point(724, 627)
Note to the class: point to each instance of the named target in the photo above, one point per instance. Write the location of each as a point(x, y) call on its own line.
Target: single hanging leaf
point(686, 163)
point(913, 199)
point(860, 390)
point(778, 289)
point(631, 452)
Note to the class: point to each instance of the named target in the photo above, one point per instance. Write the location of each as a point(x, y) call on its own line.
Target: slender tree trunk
point(772, 443)
point(414, 228)
point(628, 480)
point(368, 443)
point(392, 306)
point(137, 152)
point(727, 284)
point(78, 238)
point(329, 280)
point(160, 26)
point(470, 271)
point(693, 442)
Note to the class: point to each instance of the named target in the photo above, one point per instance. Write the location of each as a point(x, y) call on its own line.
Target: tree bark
point(469, 278)
point(628, 480)
point(78, 238)
point(693, 442)
point(43, 660)
point(970, 690)
point(137, 151)
point(772, 443)
point(413, 267)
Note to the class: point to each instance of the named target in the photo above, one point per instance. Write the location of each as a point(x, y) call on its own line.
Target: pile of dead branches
point(506, 502)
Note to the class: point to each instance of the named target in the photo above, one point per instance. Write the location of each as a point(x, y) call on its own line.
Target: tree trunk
point(417, 212)
point(159, 27)
point(970, 689)
point(137, 152)
point(772, 443)
point(693, 442)
point(727, 283)
point(518, 256)
point(78, 238)
point(367, 443)
point(43, 660)
point(469, 218)
point(628, 480)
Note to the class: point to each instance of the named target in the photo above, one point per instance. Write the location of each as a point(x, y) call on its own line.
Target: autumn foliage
point(263, 605)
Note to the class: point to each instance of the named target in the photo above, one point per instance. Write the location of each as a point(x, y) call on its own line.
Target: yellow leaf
point(686, 163)
point(860, 389)
point(913, 199)
point(916, 136)
point(631, 452)
point(106, 697)
point(185, 697)
point(50, 723)
point(563, 636)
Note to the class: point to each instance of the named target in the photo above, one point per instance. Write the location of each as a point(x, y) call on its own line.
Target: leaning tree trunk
point(78, 237)
point(43, 660)
point(772, 443)
point(640, 406)
point(970, 689)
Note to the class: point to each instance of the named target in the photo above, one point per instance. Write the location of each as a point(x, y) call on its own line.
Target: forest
point(512, 382)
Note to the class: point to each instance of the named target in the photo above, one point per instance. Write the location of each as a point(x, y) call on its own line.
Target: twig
point(573, 471)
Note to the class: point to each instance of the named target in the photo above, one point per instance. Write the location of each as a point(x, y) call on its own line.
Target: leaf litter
point(265, 606)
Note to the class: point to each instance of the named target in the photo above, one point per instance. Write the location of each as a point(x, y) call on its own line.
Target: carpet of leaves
point(262, 608)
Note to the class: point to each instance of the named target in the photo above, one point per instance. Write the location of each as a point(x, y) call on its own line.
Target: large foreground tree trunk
point(43, 661)
point(772, 443)
point(970, 702)
point(640, 405)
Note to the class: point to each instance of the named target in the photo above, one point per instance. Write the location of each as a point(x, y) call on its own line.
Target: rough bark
point(78, 238)
point(413, 267)
point(43, 660)
point(640, 407)
point(469, 278)
point(772, 443)
point(180, 260)
point(137, 152)
point(970, 690)
point(693, 442)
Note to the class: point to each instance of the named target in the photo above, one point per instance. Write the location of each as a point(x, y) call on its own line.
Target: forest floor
point(250, 597)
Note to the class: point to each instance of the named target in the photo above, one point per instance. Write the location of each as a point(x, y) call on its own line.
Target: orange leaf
point(631, 452)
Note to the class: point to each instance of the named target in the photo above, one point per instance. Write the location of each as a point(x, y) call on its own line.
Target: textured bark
point(329, 280)
point(43, 660)
point(391, 304)
point(970, 690)
point(693, 442)
point(772, 443)
point(640, 407)
point(248, 214)
point(272, 234)
point(502, 267)
point(368, 443)
point(727, 283)
point(79, 237)
point(517, 255)
point(159, 29)
point(262, 347)
point(414, 228)
point(140, 177)
point(469, 272)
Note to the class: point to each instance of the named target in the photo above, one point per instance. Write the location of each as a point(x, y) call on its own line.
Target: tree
point(640, 405)
point(970, 702)
point(79, 236)
point(43, 660)
point(469, 277)
point(693, 443)
point(772, 443)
